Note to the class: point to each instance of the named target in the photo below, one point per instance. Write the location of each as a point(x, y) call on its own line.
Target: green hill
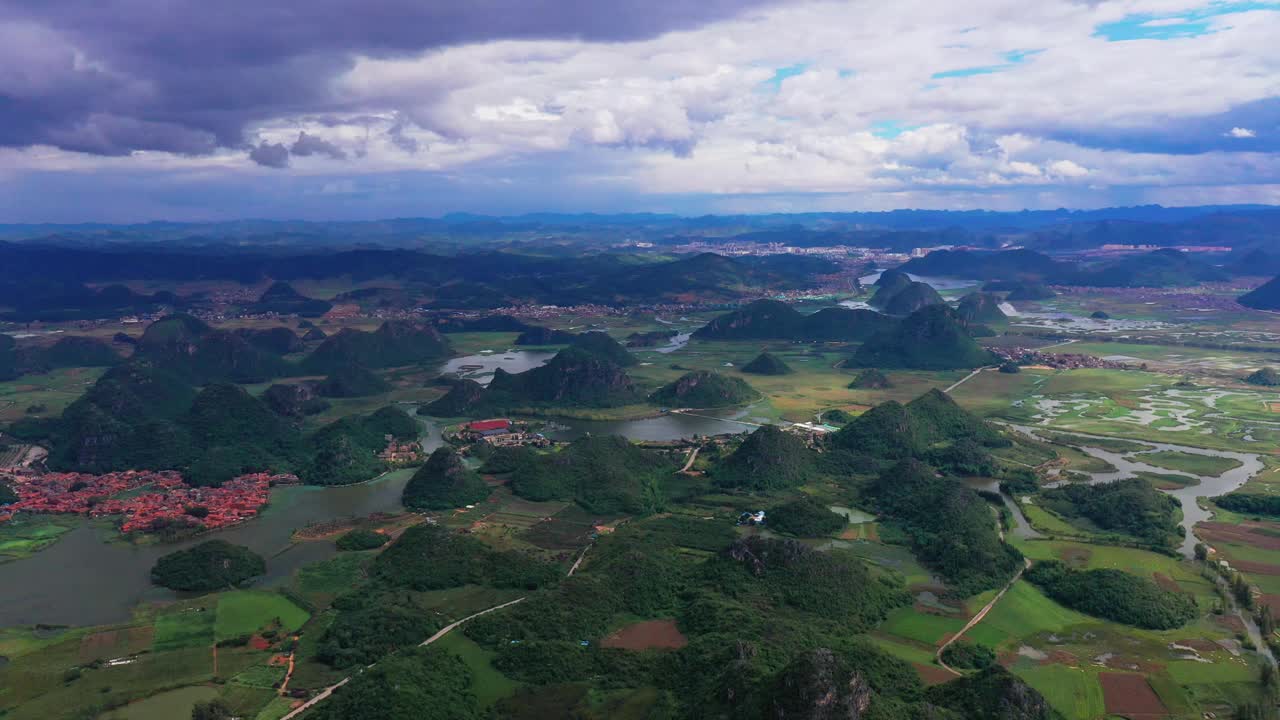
point(768, 459)
point(77, 351)
point(704, 389)
point(982, 265)
point(601, 344)
point(282, 299)
point(908, 298)
point(538, 335)
point(573, 378)
point(1161, 268)
point(1263, 297)
point(775, 320)
point(870, 379)
point(805, 517)
point(1027, 291)
point(951, 529)
point(278, 340)
point(293, 401)
point(346, 451)
point(604, 474)
point(980, 308)
point(352, 381)
point(1114, 595)
point(211, 565)
point(395, 343)
point(992, 693)
point(1267, 377)
point(444, 483)
point(233, 433)
point(1132, 507)
point(463, 395)
point(194, 351)
point(928, 339)
point(931, 426)
point(767, 364)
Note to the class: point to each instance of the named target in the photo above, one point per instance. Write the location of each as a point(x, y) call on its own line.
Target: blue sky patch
point(890, 129)
point(1012, 59)
point(1147, 26)
point(775, 83)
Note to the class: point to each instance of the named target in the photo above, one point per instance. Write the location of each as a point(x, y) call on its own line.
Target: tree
point(213, 710)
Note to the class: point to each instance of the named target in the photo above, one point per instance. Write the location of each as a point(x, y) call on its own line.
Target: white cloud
point(1239, 132)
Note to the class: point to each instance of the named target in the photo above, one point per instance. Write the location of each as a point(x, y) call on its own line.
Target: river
point(1209, 486)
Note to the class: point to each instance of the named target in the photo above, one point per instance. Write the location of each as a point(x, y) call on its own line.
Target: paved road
point(962, 380)
point(689, 463)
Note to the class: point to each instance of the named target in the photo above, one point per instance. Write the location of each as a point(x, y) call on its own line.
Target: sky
point(137, 110)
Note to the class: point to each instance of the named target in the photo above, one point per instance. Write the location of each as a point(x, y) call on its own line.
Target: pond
point(85, 580)
point(481, 366)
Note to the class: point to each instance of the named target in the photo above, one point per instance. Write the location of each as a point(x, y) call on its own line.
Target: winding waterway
point(1208, 486)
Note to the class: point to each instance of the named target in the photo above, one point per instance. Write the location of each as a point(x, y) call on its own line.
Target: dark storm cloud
point(186, 76)
point(272, 155)
point(311, 145)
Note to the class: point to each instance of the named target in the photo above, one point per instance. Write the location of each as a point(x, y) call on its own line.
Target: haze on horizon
point(129, 110)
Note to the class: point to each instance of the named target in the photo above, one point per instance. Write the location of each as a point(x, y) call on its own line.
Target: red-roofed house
point(486, 425)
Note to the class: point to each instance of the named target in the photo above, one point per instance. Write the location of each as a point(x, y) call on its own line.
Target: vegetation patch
point(1114, 595)
point(211, 565)
point(247, 611)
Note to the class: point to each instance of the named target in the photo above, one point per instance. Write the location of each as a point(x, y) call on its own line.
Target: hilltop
point(282, 299)
point(279, 340)
point(603, 345)
point(573, 378)
point(769, 459)
point(931, 426)
point(983, 265)
point(462, 396)
point(604, 474)
point(904, 299)
point(928, 339)
point(1263, 297)
point(980, 308)
point(704, 389)
point(444, 483)
point(767, 363)
point(538, 335)
point(393, 344)
point(775, 320)
point(189, 348)
point(1161, 268)
point(1267, 377)
point(870, 379)
point(352, 381)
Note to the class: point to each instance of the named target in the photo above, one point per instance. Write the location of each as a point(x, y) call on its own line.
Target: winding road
point(978, 618)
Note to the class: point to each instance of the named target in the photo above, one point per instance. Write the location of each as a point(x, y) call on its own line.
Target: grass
point(1071, 691)
point(929, 629)
point(323, 581)
point(166, 705)
point(488, 685)
point(246, 611)
point(260, 676)
point(1022, 612)
point(25, 535)
point(55, 390)
point(1193, 463)
point(192, 627)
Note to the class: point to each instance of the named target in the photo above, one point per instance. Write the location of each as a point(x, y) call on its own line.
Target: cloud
point(307, 145)
point(1239, 132)
point(212, 69)
point(911, 102)
point(272, 155)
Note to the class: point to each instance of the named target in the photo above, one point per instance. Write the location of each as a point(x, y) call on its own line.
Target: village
point(144, 500)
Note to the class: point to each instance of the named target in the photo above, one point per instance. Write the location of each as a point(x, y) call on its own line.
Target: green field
point(247, 611)
point(1074, 692)
point(54, 390)
point(165, 706)
point(25, 534)
point(1189, 462)
point(193, 627)
point(488, 685)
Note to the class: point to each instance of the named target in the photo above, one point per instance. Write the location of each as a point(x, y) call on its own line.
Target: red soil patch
point(1074, 556)
point(647, 635)
point(1259, 568)
point(932, 674)
point(1131, 696)
point(1061, 657)
point(1242, 534)
point(1230, 622)
point(1271, 601)
point(1167, 583)
point(1200, 645)
point(257, 642)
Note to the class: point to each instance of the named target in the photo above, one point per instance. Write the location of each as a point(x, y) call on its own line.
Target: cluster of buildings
point(1056, 361)
point(141, 498)
point(401, 453)
point(500, 432)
